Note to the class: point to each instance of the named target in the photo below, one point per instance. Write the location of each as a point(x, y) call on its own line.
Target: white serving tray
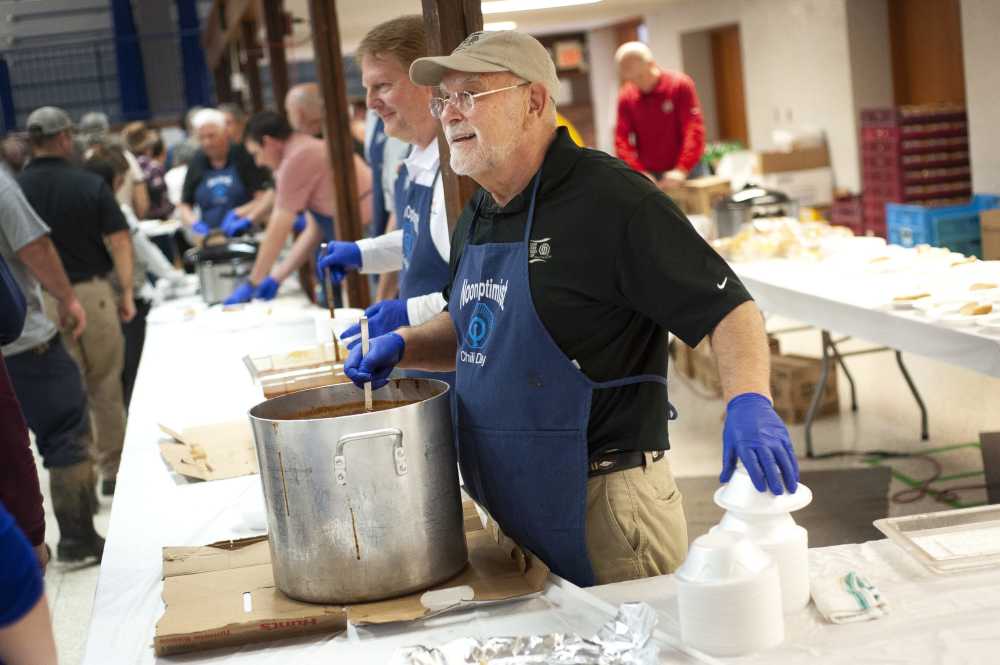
point(950, 541)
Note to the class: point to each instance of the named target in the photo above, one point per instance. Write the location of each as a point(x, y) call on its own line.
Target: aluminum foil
point(625, 640)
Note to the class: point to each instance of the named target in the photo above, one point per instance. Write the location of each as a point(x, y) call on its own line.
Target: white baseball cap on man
point(485, 52)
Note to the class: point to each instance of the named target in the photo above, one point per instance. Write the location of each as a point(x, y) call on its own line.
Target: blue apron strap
point(472, 224)
point(531, 208)
point(639, 378)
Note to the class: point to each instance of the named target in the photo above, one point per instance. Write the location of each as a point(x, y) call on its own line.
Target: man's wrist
point(749, 396)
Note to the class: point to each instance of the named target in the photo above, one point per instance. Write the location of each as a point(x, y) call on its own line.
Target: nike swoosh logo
point(722, 284)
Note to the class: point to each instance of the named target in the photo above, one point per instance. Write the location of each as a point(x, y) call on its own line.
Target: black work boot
point(74, 505)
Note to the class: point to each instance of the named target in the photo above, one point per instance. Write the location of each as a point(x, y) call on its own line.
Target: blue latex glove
point(383, 317)
point(339, 258)
point(755, 434)
point(267, 289)
point(201, 228)
point(243, 293)
point(299, 225)
point(383, 354)
point(233, 224)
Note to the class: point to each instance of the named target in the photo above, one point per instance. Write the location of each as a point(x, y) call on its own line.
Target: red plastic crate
point(916, 146)
point(879, 160)
point(848, 211)
point(935, 160)
point(899, 193)
point(911, 115)
point(896, 133)
point(875, 227)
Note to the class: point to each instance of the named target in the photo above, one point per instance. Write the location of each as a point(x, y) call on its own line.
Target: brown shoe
point(74, 505)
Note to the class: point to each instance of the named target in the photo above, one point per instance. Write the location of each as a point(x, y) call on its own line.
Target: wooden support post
point(330, 75)
point(274, 24)
point(251, 70)
point(448, 23)
point(223, 73)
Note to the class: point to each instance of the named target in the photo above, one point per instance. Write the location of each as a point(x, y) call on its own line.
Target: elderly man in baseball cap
point(567, 270)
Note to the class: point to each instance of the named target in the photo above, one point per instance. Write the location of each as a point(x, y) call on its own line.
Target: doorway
point(927, 59)
point(714, 59)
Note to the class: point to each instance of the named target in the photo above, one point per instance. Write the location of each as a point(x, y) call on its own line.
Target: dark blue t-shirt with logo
point(216, 191)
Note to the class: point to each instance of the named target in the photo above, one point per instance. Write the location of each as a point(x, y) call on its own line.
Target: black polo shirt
point(80, 209)
point(613, 265)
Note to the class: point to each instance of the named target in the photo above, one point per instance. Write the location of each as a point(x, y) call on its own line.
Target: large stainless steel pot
point(221, 267)
point(361, 507)
point(750, 203)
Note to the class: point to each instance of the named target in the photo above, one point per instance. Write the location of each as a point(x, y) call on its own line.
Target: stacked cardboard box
point(698, 364)
point(698, 195)
point(989, 225)
point(916, 154)
point(803, 174)
point(793, 381)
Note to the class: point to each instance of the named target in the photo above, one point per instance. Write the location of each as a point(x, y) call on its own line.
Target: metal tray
point(950, 541)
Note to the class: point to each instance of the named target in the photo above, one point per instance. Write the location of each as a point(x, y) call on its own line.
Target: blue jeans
point(49, 387)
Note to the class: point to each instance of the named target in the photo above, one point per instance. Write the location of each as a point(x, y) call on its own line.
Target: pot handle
point(398, 454)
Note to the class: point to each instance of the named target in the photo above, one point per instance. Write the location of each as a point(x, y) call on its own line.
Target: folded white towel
point(848, 598)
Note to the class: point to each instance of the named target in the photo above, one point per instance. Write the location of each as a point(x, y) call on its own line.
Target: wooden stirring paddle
point(328, 292)
point(364, 352)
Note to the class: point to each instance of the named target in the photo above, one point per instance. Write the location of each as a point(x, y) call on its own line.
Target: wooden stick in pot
point(364, 352)
point(328, 292)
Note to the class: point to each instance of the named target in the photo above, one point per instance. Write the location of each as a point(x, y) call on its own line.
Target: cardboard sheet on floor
point(211, 452)
point(223, 594)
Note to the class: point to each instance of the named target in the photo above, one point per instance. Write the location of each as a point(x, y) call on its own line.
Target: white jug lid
point(722, 556)
point(740, 495)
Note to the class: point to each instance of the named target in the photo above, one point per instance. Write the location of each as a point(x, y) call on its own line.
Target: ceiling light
point(502, 6)
point(500, 25)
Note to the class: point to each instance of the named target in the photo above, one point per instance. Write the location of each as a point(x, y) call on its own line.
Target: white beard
point(471, 161)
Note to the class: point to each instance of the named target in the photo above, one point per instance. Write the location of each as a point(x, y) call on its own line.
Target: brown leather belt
point(43, 348)
point(620, 460)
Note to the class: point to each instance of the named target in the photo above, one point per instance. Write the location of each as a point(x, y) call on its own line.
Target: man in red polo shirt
point(660, 131)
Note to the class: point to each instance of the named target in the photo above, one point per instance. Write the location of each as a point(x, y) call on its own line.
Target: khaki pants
point(635, 523)
point(100, 353)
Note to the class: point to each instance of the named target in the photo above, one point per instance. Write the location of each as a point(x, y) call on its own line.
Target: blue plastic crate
point(967, 247)
point(909, 225)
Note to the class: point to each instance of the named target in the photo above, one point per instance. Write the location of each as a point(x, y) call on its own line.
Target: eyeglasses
point(464, 101)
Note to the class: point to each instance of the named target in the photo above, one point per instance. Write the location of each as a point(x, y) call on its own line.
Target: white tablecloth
point(944, 620)
point(832, 297)
point(191, 373)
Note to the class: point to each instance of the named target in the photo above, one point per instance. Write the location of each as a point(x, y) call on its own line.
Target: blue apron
point(521, 407)
point(219, 191)
point(376, 158)
point(424, 271)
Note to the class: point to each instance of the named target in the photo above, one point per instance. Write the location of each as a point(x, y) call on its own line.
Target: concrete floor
point(961, 404)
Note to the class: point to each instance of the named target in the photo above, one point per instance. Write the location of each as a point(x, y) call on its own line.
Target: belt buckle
point(602, 465)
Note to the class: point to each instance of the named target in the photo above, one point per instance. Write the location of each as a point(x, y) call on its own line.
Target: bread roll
point(975, 309)
point(911, 298)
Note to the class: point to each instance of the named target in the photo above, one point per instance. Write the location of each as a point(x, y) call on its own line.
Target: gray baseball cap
point(483, 52)
point(48, 121)
point(94, 122)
